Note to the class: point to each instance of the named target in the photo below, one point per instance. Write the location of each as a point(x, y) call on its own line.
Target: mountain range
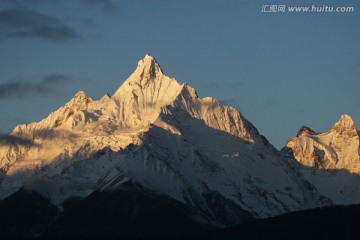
point(157, 157)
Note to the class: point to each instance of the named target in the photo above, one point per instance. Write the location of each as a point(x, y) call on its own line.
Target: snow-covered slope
point(335, 149)
point(161, 135)
point(330, 161)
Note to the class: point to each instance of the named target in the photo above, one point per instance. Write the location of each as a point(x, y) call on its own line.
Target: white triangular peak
point(345, 123)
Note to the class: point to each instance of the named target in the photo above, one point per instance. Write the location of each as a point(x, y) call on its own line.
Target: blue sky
point(280, 70)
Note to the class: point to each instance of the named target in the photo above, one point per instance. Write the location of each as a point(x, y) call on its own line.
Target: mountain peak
point(346, 119)
point(162, 138)
point(148, 68)
point(105, 97)
point(345, 124)
point(306, 131)
point(334, 149)
point(148, 59)
point(141, 96)
point(148, 56)
point(80, 97)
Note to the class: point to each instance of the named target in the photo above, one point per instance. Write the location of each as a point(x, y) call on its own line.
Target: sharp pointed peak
point(148, 56)
point(346, 120)
point(148, 59)
point(148, 67)
point(105, 97)
point(345, 123)
point(148, 75)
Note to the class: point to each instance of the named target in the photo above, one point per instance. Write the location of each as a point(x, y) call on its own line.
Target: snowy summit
point(159, 134)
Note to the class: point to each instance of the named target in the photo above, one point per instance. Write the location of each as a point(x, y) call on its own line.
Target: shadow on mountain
point(7, 139)
point(337, 222)
point(25, 214)
point(134, 213)
point(130, 211)
point(53, 134)
point(320, 164)
point(24, 140)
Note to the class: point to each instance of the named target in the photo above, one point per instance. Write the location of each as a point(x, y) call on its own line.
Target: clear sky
point(281, 70)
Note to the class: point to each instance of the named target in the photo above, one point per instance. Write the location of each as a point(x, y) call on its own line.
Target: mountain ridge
point(329, 159)
point(161, 135)
point(337, 148)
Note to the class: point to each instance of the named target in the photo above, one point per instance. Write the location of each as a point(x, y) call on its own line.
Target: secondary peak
point(345, 124)
point(306, 131)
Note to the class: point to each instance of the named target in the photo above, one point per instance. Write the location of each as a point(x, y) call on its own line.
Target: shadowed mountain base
point(130, 212)
point(135, 213)
point(338, 222)
point(25, 214)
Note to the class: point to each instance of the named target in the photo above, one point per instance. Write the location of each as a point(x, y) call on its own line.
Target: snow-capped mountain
point(335, 149)
point(330, 160)
point(160, 135)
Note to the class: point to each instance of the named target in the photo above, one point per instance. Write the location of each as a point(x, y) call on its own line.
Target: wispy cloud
point(23, 23)
point(106, 6)
point(226, 102)
point(7, 139)
point(19, 89)
point(85, 21)
point(270, 102)
point(229, 84)
point(56, 78)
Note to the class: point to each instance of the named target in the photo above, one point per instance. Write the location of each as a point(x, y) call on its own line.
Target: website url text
point(306, 9)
